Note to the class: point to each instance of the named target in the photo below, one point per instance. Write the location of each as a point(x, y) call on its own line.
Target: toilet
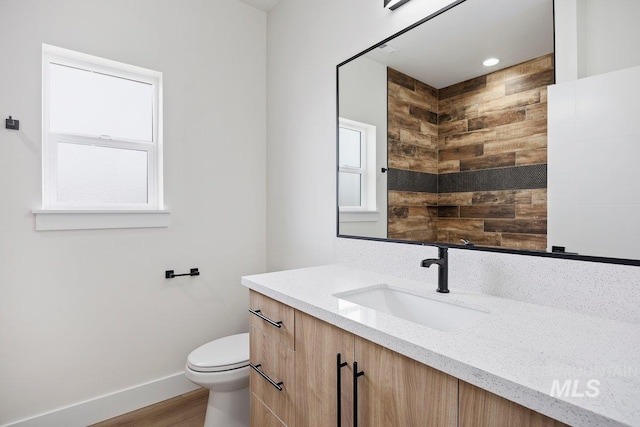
point(222, 366)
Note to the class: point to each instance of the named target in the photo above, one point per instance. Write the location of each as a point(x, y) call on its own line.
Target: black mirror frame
point(557, 255)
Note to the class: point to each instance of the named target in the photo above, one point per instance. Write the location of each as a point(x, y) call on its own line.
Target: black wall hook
point(170, 274)
point(10, 123)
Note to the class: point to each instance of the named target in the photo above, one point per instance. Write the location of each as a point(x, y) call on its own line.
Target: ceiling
point(265, 5)
point(450, 48)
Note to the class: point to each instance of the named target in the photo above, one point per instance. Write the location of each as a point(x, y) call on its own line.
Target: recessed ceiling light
point(490, 62)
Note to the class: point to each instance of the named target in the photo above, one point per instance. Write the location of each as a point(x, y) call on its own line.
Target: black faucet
point(443, 269)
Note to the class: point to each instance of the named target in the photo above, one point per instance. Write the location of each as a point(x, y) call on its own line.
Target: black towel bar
point(170, 274)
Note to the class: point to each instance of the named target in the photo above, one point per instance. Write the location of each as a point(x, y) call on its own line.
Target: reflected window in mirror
point(356, 169)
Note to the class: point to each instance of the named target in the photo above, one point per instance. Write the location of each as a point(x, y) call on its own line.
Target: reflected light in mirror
point(490, 62)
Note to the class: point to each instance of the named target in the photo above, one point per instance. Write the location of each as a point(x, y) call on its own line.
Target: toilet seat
point(223, 354)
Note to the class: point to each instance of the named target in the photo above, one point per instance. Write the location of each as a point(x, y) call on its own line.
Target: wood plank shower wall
point(478, 151)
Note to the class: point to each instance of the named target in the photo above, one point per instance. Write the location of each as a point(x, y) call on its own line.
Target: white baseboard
point(111, 405)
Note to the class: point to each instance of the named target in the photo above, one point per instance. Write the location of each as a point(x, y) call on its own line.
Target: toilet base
point(228, 409)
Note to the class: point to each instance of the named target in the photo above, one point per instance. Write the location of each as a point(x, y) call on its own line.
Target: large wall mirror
point(443, 139)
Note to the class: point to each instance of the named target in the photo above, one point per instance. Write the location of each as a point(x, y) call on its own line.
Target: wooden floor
point(186, 410)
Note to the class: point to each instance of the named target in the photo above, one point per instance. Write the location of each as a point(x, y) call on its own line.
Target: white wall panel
point(87, 313)
point(594, 147)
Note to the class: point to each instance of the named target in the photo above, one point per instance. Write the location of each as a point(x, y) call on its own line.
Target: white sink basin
point(429, 312)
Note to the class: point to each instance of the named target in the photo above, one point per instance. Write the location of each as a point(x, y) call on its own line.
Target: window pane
point(95, 175)
point(350, 148)
point(96, 104)
point(349, 189)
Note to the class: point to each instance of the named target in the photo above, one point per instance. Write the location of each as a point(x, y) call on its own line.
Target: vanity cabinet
point(316, 374)
point(393, 391)
point(479, 408)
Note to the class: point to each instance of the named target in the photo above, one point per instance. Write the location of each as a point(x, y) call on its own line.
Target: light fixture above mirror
point(394, 4)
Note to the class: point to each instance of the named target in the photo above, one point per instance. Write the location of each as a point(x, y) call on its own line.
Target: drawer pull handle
point(265, 318)
point(266, 377)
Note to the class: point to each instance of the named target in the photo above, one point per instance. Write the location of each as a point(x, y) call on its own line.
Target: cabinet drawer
point(261, 416)
point(276, 362)
point(272, 317)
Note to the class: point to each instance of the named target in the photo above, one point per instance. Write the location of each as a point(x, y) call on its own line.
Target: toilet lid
point(223, 354)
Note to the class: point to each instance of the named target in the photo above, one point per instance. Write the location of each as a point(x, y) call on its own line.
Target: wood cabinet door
point(317, 346)
point(398, 391)
point(480, 408)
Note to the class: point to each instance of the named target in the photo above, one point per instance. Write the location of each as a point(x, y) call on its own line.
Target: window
point(102, 134)
point(356, 166)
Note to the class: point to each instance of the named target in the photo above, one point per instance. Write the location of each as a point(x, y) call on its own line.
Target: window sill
point(47, 220)
point(359, 216)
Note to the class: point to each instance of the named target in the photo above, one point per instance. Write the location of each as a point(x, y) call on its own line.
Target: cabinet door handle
point(266, 377)
point(356, 375)
point(266, 319)
point(339, 366)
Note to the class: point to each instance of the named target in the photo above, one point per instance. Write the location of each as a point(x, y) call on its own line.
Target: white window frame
point(367, 172)
point(100, 215)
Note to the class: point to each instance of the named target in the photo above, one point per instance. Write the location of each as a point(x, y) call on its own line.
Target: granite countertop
point(516, 352)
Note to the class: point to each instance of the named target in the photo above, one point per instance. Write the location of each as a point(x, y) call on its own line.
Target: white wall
point(85, 313)
point(594, 147)
point(595, 37)
point(566, 16)
point(592, 130)
point(608, 36)
point(363, 98)
point(307, 39)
